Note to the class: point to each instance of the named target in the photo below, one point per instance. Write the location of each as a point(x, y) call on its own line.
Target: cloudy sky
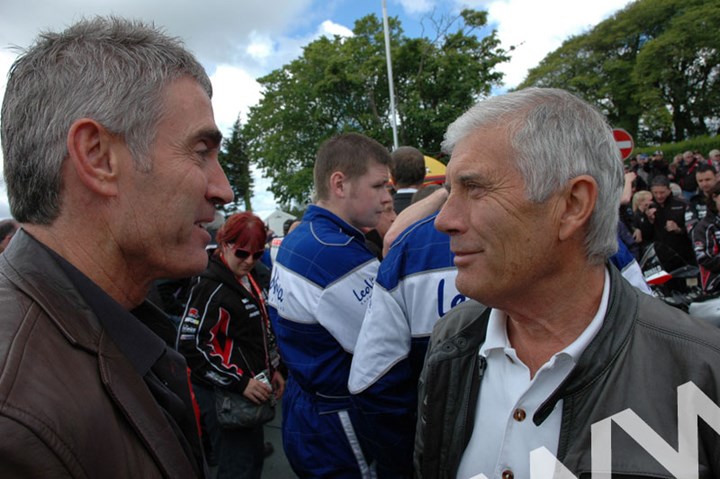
point(240, 40)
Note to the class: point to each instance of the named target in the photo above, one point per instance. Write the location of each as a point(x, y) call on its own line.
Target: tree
point(652, 68)
point(340, 84)
point(235, 161)
point(687, 86)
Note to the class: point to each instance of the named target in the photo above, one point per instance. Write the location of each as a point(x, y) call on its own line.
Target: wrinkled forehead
point(491, 143)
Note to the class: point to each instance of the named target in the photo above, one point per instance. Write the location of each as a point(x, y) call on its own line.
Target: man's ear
point(579, 200)
point(92, 156)
point(338, 184)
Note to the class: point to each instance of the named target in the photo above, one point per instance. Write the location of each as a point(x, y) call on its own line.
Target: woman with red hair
point(225, 337)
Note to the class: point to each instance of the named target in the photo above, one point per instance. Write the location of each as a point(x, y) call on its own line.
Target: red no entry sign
point(624, 142)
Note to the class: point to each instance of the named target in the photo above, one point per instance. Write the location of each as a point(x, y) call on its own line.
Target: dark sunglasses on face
point(243, 254)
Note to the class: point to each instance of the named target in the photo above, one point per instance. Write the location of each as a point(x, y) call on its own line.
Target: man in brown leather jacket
point(110, 155)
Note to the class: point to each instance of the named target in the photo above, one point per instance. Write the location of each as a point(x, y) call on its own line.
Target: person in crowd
point(374, 236)
point(415, 286)
point(8, 228)
point(424, 192)
point(685, 175)
point(226, 338)
point(666, 225)
point(647, 167)
point(642, 170)
point(640, 202)
point(714, 159)
point(706, 240)
point(706, 178)
point(408, 173)
point(322, 281)
point(515, 371)
point(657, 166)
point(625, 226)
point(111, 197)
point(288, 226)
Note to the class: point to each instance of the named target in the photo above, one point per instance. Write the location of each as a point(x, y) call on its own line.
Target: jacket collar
point(313, 212)
point(31, 267)
point(603, 349)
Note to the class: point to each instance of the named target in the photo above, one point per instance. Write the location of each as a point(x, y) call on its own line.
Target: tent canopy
point(434, 171)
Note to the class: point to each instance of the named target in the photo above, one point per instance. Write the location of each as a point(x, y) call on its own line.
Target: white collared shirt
point(504, 433)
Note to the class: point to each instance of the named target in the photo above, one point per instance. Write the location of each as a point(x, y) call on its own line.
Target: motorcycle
point(676, 283)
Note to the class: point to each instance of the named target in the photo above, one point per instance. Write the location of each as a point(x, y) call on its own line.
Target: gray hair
point(556, 137)
point(109, 69)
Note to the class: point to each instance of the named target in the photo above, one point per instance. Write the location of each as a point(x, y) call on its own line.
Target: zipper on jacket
point(475, 377)
point(482, 365)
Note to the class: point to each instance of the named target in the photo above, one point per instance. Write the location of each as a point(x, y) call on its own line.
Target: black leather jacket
point(643, 352)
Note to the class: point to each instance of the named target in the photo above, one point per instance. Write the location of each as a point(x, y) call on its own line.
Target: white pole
point(390, 76)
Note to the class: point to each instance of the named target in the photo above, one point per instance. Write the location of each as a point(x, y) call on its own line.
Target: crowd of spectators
point(663, 206)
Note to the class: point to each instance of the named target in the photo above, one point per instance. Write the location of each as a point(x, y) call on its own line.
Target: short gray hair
point(556, 137)
point(105, 68)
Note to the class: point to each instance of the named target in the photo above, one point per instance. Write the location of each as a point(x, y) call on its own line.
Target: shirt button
point(519, 415)
point(507, 474)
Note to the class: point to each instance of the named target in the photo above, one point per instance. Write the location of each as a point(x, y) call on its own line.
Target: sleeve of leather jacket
point(25, 455)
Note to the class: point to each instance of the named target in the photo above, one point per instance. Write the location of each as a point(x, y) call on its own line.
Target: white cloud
point(263, 201)
point(329, 28)
point(234, 92)
point(261, 46)
point(536, 28)
point(417, 6)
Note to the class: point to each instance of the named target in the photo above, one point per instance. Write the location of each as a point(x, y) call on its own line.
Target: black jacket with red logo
point(223, 334)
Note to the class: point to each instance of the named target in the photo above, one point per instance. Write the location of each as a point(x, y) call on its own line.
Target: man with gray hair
point(111, 164)
point(559, 341)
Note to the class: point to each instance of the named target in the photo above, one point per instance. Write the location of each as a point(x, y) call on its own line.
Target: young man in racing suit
point(322, 281)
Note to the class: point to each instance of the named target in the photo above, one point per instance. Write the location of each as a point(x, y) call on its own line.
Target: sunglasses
point(243, 254)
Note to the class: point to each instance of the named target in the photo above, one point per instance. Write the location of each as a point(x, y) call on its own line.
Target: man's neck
point(96, 261)
point(337, 210)
point(552, 318)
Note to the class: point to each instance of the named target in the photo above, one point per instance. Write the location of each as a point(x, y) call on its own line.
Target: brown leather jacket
point(71, 404)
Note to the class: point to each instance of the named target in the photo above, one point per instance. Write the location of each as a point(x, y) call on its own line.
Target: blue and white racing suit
point(629, 267)
point(415, 286)
point(322, 280)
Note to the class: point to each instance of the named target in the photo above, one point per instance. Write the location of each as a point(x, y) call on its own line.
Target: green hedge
point(703, 144)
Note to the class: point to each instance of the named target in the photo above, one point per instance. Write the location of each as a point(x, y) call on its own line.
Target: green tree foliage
point(235, 161)
point(340, 84)
point(653, 68)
